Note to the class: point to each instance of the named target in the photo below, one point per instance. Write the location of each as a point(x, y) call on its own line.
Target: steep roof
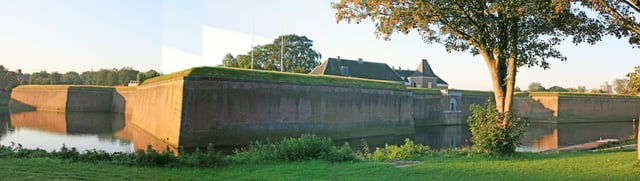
point(424, 70)
point(357, 68)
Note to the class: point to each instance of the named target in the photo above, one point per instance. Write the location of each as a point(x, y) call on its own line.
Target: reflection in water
point(113, 133)
point(82, 130)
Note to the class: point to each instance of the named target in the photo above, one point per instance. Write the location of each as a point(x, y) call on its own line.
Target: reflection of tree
point(5, 123)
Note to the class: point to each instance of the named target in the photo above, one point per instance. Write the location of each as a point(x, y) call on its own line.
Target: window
point(344, 70)
point(453, 103)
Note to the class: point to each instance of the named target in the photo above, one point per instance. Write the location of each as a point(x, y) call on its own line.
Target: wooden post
point(638, 137)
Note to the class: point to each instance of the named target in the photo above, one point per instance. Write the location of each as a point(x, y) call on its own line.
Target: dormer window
point(344, 70)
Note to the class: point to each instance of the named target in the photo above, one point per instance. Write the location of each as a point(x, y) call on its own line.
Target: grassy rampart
point(573, 94)
point(286, 77)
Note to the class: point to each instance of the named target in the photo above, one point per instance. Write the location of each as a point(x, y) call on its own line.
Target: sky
point(171, 35)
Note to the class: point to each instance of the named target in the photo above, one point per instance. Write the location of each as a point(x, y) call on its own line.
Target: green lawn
point(563, 166)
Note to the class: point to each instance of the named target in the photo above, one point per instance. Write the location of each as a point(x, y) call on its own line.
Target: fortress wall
point(45, 98)
point(597, 109)
point(89, 100)
point(158, 109)
point(231, 112)
point(122, 99)
point(543, 109)
point(427, 109)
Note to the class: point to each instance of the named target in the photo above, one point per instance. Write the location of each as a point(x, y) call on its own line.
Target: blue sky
point(169, 35)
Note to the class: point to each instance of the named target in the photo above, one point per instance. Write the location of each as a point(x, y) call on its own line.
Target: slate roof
point(356, 68)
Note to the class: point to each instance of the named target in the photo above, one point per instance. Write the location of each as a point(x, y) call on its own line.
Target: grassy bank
point(526, 166)
point(236, 73)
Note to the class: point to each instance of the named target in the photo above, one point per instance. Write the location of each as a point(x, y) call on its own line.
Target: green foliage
point(634, 81)
point(557, 89)
point(493, 132)
point(536, 87)
point(408, 151)
point(8, 80)
point(298, 56)
point(108, 77)
point(306, 147)
point(621, 17)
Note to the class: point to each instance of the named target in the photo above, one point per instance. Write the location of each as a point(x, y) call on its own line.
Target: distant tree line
point(106, 77)
point(294, 51)
point(109, 77)
point(537, 87)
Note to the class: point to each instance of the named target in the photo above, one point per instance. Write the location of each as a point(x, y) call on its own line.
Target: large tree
point(294, 51)
point(508, 34)
point(621, 86)
point(621, 16)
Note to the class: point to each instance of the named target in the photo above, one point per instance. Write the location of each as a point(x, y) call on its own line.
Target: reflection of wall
point(443, 136)
point(541, 136)
point(40, 120)
point(141, 139)
point(578, 133)
point(67, 123)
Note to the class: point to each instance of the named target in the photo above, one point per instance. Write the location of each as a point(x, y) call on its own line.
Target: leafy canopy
point(298, 56)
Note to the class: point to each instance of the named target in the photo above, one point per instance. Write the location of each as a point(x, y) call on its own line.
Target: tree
point(536, 87)
point(557, 89)
point(71, 78)
point(508, 34)
point(142, 76)
point(294, 51)
point(8, 80)
point(634, 81)
point(517, 89)
point(620, 15)
point(621, 86)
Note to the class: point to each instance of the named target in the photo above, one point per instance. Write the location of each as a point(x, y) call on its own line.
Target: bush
point(407, 152)
point(200, 159)
point(491, 137)
point(306, 147)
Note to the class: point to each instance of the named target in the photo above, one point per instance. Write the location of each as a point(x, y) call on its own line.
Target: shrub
point(406, 152)
point(344, 154)
point(200, 159)
point(306, 147)
point(489, 136)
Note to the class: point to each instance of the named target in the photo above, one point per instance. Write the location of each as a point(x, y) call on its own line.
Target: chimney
point(360, 61)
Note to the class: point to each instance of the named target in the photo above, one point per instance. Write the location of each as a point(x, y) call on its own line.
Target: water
point(113, 133)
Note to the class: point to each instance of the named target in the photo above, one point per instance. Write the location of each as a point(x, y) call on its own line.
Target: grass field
point(525, 166)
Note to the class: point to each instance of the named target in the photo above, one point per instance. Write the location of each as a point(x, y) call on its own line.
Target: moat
point(110, 132)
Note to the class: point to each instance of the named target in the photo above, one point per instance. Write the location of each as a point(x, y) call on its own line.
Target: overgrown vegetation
point(306, 147)
point(490, 135)
point(236, 73)
point(406, 152)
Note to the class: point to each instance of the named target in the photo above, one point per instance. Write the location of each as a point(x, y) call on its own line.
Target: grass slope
point(277, 76)
point(526, 166)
